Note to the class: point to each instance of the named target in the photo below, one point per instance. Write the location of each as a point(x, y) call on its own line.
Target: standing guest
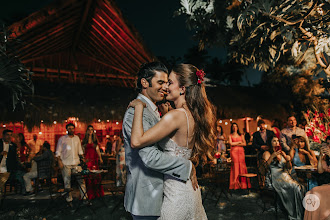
point(238, 166)
point(287, 133)
point(247, 136)
point(34, 145)
point(68, 153)
point(114, 144)
point(45, 155)
point(120, 163)
point(108, 145)
point(221, 138)
point(92, 157)
point(289, 190)
point(276, 128)
point(323, 165)
point(22, 147)
point(260, 138)
point(9, 165)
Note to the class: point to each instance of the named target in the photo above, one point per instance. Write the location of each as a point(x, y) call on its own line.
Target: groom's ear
point(144, 83)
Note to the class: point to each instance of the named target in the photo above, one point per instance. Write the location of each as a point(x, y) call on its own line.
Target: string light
point(99, 120)
point(231, 120)
point(4, 125)
point(117, 123)
point(220, 121)
point(40, 132)
point(55, 122)
point(42, 121)
point(226, 123)
point(108, 120)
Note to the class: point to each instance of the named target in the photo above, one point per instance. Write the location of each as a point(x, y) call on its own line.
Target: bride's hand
point(137, 102)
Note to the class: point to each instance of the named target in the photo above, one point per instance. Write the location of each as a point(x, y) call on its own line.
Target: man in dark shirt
point(260, 138)
point(46, 155)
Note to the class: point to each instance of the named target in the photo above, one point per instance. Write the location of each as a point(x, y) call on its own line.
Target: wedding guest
point(238, 166)
point(301, 153)
point(221, 138)
point(92, 156)
point(323, 165)
point(287, 133)
point(260, 138)
point(22, 147)
point(44, 155)
point(9, 165)
point(120, 163)
point(322, 191)
point(34, 145)
point(289, 190)
point(108, 145)
point(276, 128)
point(114, 144)
point(68, 153)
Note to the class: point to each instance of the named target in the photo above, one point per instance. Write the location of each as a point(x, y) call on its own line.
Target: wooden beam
point(68, 72)
point(76, 38)
point(109, 65)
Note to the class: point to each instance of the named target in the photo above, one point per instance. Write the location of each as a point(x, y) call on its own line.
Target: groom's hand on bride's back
point(193, 178)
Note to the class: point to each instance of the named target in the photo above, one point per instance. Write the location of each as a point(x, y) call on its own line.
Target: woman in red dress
point(92, 156)
point(22, 147)
point(238, 166)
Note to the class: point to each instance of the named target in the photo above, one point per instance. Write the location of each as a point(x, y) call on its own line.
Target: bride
point(188, 132)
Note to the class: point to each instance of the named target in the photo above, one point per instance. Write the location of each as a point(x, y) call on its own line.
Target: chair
point(216, 183)
point(267, 195)
point(44, 172)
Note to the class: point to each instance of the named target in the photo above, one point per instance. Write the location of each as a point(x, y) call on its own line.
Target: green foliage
point(260, 32)
point(15, 79)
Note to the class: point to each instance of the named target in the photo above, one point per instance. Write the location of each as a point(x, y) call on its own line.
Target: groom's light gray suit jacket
point(145, 168)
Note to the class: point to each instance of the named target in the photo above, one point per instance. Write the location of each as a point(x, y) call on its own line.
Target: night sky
point(162, 33)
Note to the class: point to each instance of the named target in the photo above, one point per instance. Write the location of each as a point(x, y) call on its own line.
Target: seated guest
point(289, 190)
point(108, 146)
point(9, 165)
point(260, 138)
point(46, 155)
point(323, 165)
point(322, 191)
point(301, 153)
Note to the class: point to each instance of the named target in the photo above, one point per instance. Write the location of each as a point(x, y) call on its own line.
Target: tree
point(260, 32)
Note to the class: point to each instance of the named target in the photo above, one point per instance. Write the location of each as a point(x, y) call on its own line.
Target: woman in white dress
point(188, 132)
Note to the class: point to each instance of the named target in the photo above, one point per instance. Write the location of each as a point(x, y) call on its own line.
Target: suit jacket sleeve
point(255, 142)
point(157, 160)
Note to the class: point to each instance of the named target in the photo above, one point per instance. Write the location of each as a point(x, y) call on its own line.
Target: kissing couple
point(161, 179)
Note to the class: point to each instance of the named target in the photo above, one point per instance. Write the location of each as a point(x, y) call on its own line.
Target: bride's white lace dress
point(181, 202)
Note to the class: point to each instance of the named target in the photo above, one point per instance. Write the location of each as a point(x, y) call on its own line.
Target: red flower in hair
point(200, 75)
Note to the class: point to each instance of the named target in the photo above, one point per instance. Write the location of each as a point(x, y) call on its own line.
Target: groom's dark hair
point(147, 71)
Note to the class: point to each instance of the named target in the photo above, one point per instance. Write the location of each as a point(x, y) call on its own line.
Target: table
point(92, 174)
point(306, 169)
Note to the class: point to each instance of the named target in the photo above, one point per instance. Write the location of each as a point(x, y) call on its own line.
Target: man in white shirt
point(35, 146)
point(68, 152)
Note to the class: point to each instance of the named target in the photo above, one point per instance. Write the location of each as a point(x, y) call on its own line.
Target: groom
point(146, 166)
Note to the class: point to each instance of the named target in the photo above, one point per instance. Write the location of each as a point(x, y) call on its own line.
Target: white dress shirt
point(151, 104)
point(69, 149)
point(3, 164)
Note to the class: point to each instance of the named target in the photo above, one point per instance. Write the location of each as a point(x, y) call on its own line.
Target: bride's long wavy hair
point(202, 111)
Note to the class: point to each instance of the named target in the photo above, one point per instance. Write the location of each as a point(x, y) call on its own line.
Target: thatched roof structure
point(80, 41)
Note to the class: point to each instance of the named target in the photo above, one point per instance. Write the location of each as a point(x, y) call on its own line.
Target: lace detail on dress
point(181, 202)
